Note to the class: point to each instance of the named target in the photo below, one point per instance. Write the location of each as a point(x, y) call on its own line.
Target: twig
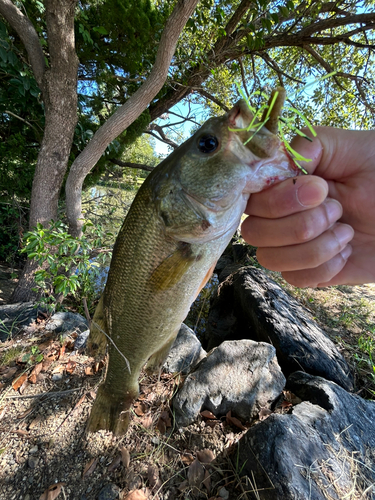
point(43, 394)
point(87, 314)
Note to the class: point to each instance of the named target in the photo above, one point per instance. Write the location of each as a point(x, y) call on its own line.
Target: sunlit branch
point(212, 98)
point(129, 164)
point(243, 76)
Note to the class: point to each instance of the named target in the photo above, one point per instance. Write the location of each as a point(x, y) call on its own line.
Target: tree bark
point(59, 91)
point(126, 114)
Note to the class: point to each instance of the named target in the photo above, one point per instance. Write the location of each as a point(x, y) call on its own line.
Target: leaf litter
point(152, 460)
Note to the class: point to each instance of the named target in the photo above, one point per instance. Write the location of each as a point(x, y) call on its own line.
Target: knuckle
point(304, 230)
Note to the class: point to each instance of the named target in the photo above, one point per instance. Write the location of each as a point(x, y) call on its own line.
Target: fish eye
point(208, 143)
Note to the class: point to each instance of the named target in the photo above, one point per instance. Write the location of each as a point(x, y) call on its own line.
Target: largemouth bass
point(180, 222)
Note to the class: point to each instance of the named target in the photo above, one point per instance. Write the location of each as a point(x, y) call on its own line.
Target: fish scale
point(180, 222)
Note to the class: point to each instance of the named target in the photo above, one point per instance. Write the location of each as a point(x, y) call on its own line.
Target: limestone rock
point(324, 449)
point(185, 352)
point(250, 305)
point(16, 316)
point(64, 322)
point(81, 340)
point(240, 376)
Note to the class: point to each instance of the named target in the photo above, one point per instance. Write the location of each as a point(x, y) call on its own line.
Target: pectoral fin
point(205, 280)
point(172, 269)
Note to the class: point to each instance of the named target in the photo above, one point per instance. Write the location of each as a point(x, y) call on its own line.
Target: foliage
point(21, 119)
point(72, 266)
point(12, 223)
point(33, 356)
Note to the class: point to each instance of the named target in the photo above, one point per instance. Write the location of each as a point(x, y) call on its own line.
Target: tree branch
point(126, 114)
point(26, 31)
point(163, 137)
point(243, 76)
point(212, 98)
point(129, 164)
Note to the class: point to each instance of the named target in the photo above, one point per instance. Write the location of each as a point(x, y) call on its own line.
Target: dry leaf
point(125, 456)
point(135, 495)
point(187, 458)
point(92, 395)
point(69, 345)
point(58, 369)
point(205, 456)
point(1, 386)
point(153, 477)
point(195, 474)
point(70, 367)
point(161, 426)
point(207, 481)
point(23, 386)
point(22, 433)
point(44, 345)
point(183, 485)
point(292, 398)
point(10, 372)
point(90, 467)
point(32, 379)
point(80, 401)
point(89, 371)
point(37, 368)
point(52, 492)
point(139, 408)
point(35, 422)
point(166, 417)
point(116, 462)
point(46, 363)
point(17, 382)
point(286, 404)
point(208, 414)
point(234, 421)
point(25, 413)
point(62, 351)
point(146, 422)
point(264, 413)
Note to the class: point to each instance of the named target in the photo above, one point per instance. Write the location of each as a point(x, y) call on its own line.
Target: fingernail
point(334, 210)
point(346, 253)
point(311, 193)
point(343, 233)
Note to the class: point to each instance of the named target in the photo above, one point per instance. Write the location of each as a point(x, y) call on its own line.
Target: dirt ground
point(47, 390)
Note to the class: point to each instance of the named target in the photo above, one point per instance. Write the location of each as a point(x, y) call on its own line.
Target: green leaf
point(3, 54)
point(101, 30)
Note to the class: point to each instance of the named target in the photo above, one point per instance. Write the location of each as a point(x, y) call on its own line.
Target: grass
point(10, 355)
point(347, 315)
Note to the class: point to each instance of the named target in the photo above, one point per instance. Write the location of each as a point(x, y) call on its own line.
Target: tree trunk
point(59, 91)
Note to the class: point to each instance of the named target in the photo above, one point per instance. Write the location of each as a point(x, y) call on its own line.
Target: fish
point(180, 222)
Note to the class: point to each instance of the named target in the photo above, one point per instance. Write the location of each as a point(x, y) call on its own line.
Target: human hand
point(303, 226)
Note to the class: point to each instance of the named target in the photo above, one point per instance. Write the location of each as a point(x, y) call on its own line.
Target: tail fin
point(111, 411)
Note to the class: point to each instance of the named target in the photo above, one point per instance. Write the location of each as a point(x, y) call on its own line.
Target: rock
point(241, 376)
point(185, 353)
point(81, 340)
point(56, 377)
point(109, 492)
point(33, 450)
point(32, 462)
point(324, 449)
point(223, 493)
point(63, 322)
point(248, 304)
point(13, 317)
